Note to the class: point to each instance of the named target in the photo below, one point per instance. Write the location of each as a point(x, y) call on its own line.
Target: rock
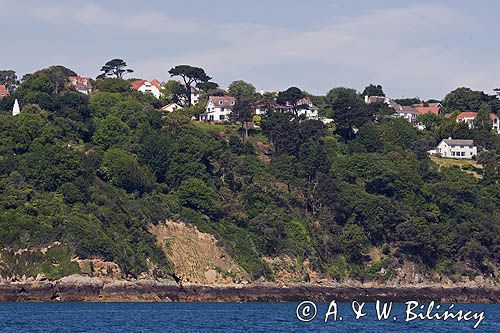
point(41, 277)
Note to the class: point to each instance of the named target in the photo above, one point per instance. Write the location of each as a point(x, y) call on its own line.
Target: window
point(463, 153)
point(220, 102)
point(221, 117)
point(232, 103)
point(452, 153)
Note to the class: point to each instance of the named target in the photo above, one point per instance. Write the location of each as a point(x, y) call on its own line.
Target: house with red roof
point(424, 108)
point(3, 91)
point(81, 84)
point(469, 117)
point(218, 108)
point(152, 87)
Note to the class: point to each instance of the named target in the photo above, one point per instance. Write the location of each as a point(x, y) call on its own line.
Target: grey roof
point(459, 142)
point(407, 109)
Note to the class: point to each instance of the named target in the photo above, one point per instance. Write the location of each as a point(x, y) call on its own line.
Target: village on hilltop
point(217, 105)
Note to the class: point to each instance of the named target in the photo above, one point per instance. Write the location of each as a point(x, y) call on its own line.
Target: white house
point(171, 107)
point(81, 84)
point(218, 108)
point(452, 148)
point(469, 117)
point(144, 86)
point(305, 107)
point(407, 112)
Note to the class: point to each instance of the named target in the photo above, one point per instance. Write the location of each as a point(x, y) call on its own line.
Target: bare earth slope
point(195, 255)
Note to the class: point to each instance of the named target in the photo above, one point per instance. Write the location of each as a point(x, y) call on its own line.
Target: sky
point(412, 48)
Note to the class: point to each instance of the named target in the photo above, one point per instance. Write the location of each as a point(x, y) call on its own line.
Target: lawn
point(469, 166)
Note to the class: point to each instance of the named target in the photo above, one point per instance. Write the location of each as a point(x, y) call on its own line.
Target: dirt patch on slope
point(195, 255)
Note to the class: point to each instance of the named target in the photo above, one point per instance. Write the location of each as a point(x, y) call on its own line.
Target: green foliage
point(94, 172)
point(373, 90)
point(122, 169)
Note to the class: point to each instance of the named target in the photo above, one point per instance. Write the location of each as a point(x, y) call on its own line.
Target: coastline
point(86, 289)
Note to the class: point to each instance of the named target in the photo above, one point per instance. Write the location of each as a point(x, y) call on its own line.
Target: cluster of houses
point(219, 109)
point(410, 113)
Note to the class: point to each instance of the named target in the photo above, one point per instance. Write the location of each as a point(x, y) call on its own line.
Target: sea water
point(224, 317)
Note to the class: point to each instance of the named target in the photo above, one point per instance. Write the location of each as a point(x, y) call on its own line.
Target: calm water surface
point(218, 317)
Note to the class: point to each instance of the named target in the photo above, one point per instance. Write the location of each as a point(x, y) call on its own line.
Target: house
point(453, 148)
point(469, 117)
point(195, 95)
point(424, 108)
point(304, 107)
point(307, 108)
point(151, 87)
point(3, 91)
point(81, 84)
point(171, 107)
point(407, 112)
point(218, 108)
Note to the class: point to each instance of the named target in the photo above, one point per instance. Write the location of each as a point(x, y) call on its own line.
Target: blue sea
point(222, 317)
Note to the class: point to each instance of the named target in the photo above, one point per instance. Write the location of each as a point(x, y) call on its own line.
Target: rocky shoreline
point(87, 289)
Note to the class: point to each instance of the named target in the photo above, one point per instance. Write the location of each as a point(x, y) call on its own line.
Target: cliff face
point(79, 288)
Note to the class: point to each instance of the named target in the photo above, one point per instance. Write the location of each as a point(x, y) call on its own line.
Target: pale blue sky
point(413, 48)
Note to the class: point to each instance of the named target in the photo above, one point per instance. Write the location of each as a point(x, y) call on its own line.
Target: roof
point(227, 101)
point(407, 109)
point(80, 82)
point(3, 90)
point(175, 105)
point(458, 142)
point(473, 115)
point(156, 83)
point(137, 84)
point(428, 109)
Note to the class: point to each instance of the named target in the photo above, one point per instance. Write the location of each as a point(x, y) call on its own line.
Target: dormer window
point(220, 102)
point(232, 103)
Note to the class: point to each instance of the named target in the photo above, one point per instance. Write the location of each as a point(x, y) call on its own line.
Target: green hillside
point(93, 173)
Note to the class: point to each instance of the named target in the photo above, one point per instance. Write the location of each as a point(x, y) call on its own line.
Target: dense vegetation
point(94, 172)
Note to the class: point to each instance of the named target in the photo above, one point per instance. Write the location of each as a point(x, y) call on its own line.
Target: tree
point(483, 121)
point(373, 90)
point(242, 112)
point(241, 88)
point(290, 97)
point(196, 194)
point(207, 86)
point(407, 101)
point(112, 85)
point(189, 75)
point(122, 169)
point(354, 242)
point(116, 67)
point(8, 78)
point(465, 99)
point(349, 111)
point(110, 132)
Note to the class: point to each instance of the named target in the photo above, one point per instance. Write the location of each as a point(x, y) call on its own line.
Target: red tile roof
point(137, 84)
point(473, 115)
point(3, 91)
point(80, 82)
point(467, 115)
point(156, 83)
point(428, 109)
